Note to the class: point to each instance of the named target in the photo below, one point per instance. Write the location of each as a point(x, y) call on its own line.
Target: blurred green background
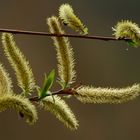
point(98, 63)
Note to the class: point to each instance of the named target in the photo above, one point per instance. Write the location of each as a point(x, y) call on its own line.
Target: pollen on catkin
point(19, 63)
point(5, 81)
point(99, 95)
point(127, 29)
point(61, 110)
point(64, 53)
point(69, 18)
point(21, 105)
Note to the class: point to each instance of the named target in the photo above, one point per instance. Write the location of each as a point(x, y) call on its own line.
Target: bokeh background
point(98, 63)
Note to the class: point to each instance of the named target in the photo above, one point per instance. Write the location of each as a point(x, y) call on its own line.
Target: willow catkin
point(69, 18)
point(61, 110)
point(99, 95)
point(19, 63)
point(64, 53)
point(21, 105)
point(127, 29)
point(5, 81)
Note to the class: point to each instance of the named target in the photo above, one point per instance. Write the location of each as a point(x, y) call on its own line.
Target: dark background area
point(98, 63)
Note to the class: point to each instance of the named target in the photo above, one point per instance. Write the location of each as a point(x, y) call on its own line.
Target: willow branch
point(62, 35)
point(69, 91)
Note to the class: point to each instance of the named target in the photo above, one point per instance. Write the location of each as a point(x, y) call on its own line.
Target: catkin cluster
point(46, 99)
point(128, 29)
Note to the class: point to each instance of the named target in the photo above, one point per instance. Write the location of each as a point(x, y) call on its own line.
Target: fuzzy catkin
point(21, 105)
point(5, 81)
point(68, 17)
point(19, 63)
point(64, 53)
point(99, 95)
point(61, 110)
point(127, 29)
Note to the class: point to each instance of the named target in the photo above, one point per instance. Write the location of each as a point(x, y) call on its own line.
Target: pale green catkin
point(68, 17)
point(21, 105)
point(61, 110)
point(99, 95)
point(64, 53)
point(5, 81)
point(19, 63)
point(127, 29)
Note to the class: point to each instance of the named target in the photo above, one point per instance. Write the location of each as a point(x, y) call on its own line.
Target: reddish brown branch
point(62, 35)
point(69, 91)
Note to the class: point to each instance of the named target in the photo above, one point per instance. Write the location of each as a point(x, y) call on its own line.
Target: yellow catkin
point(61, 110)
point(99, 95)
point(21, 105)
point(127, 29)
point(64, 53)
point(5, 81)
point(69, 18)
point(19, 63)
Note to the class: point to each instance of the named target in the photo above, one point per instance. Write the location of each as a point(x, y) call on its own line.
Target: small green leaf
point(48, 82)
point(44, 94)
point(132, 43)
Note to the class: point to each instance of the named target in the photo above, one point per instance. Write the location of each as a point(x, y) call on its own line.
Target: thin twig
point(69, 91)
point(62, 35)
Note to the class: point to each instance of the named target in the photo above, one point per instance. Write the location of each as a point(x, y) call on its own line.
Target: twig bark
point(69, 91)
point(104, 38)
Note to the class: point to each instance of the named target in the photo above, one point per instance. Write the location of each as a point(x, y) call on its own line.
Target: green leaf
point(132, 43)
point(48, 82)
